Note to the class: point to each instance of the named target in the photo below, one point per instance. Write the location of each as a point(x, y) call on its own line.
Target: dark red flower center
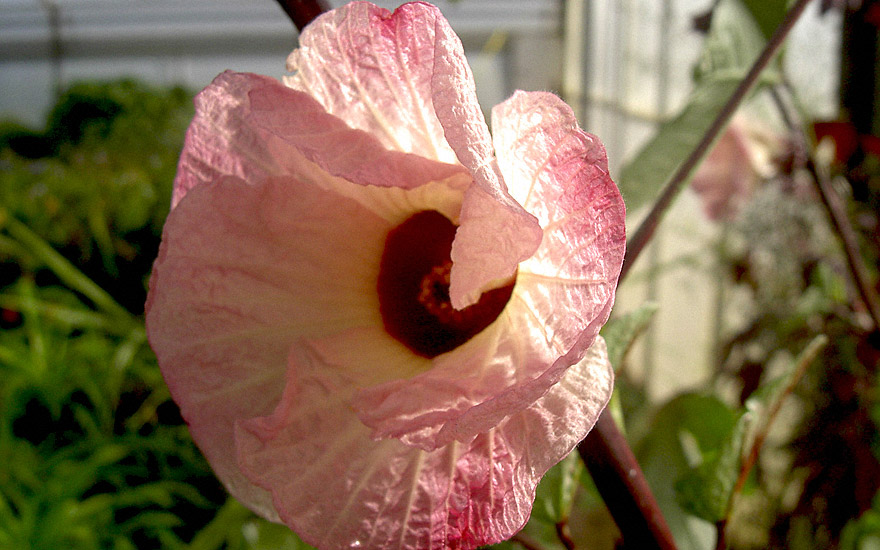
point(414, 288)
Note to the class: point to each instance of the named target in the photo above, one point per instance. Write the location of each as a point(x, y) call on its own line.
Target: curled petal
point(373, 69)
point(563, 293)
point(403, 78)
point(383, 494)
point(252, 127)
point(496, 233)
point(560, 174)
point(221, 141)
point(355, 155)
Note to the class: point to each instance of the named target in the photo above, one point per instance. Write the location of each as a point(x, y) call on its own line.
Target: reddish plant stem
point(839, 219)
point(302, 12)
point(623, 487)
point(563, 535)
point(605, 451)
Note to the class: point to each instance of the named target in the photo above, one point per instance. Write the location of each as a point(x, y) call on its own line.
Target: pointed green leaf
point(555, 493)
point(702, 420)
point(705, 490)
point(768, 14)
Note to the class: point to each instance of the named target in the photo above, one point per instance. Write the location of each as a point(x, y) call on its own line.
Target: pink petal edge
point(253, 127)
point(403, 78)
point(495, 232)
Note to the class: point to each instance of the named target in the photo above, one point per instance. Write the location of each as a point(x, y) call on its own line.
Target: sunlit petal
point(373, 69)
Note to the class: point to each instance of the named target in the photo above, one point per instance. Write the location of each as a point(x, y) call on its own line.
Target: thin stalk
point(62, 268)
point(623, 487)
point(836, 212)
point(605, 451)
point(563, 535)
point(302, 12)
point(810, 353)
point(804, 360)
point(646, 230)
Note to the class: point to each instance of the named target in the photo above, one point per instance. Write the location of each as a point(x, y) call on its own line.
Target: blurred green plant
point(95, 183)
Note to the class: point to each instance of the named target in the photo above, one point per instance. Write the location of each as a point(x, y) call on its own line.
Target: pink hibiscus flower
point(744, 155)
point(379, 320)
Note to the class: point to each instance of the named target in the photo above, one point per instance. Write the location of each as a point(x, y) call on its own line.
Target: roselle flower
point(743, 156)
point(379, 320)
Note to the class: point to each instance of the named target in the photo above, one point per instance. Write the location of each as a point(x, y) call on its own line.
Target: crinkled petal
point(560, 174)
point(495, 233)
point(355, 155)
point(220, 141)
point(363, 493)
point(373, 69)
point(563, 293)
point(252, 126)
point(244, 271)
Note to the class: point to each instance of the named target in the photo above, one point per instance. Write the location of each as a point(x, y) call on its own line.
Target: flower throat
point(414, 288)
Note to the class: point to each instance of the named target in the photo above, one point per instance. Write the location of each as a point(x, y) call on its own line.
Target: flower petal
point(403, 77)
point(220, 140)
point(244, 271)
point(563, 293)
point(373, 69)
point(560, 174)
point(384, 495)
point(496, 233)
point(355, 155)
point(251, 126)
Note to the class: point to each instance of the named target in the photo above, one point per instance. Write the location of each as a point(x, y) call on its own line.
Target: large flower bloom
point(309, 304)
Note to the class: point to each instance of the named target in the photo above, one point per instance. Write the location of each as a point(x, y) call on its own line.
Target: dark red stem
point(302, 12)
point(837, 212)
point(623, 487)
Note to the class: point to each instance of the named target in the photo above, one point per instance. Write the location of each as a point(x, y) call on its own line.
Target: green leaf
point(767, 399)
point(227, 523)
point(702, 421)
point(556, 491)
point(620, 333)
point(705, 491)
point(65, 270)
point(768, 14)
point(863, 533)
point(643, 177)
point(734, 42)
point(264, 535)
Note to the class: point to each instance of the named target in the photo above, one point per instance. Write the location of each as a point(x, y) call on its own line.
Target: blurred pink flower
point(298, 213)
point(742, 157)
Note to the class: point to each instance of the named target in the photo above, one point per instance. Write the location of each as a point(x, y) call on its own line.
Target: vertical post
point(302, 12)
